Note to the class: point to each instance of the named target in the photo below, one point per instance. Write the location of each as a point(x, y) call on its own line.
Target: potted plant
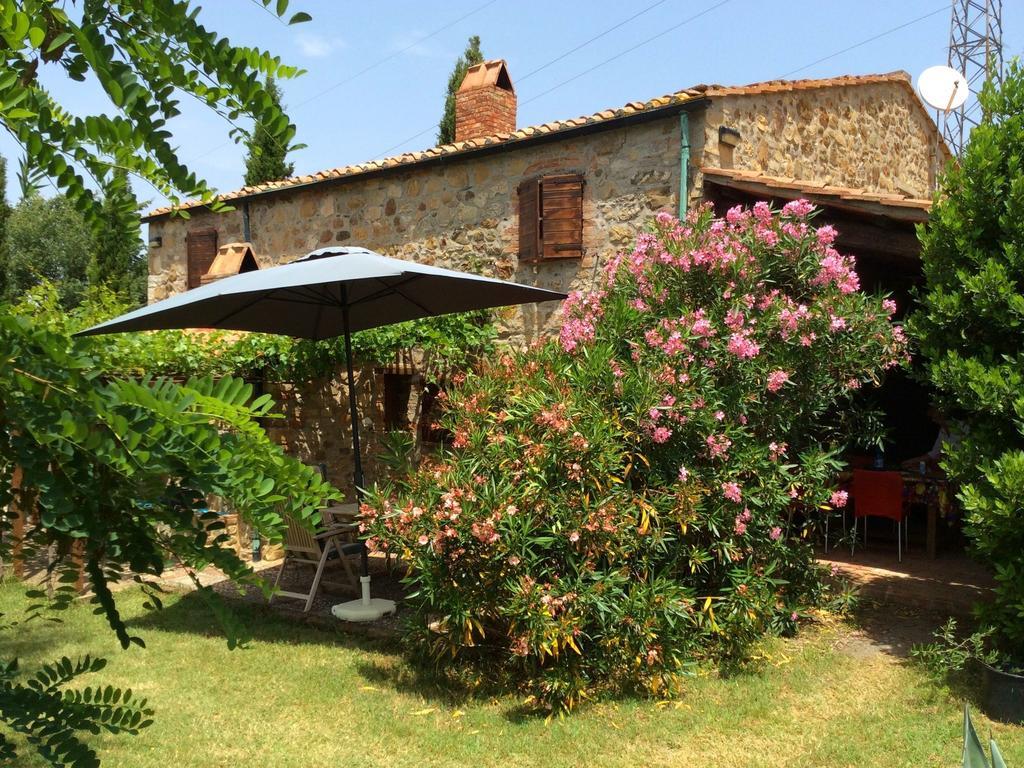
point(1002, 680)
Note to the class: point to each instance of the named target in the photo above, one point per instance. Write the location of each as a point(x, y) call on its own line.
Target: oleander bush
point(637, 495)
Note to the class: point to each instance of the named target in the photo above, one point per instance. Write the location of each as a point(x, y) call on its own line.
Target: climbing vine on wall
point(449, 341)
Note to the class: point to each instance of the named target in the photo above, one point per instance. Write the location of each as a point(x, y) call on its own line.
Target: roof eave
point(621, 121)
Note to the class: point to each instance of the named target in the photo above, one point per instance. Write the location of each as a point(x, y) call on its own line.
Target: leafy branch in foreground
point(118, 473)
point(144, 55)
point(48, 716)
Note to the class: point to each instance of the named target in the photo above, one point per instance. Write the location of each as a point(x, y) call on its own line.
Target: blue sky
point(377, 72)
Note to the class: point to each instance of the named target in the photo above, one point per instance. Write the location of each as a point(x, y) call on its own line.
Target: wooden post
point(17, 524)
point(933, 524)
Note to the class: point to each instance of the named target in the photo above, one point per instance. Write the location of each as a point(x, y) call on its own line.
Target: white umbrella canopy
point(308, 298)
point(328, 293)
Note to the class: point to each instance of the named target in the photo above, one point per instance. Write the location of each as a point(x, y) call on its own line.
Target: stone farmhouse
point(548, 204)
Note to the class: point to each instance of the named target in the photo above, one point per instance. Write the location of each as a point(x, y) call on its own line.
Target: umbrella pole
point(365, 608)
point(353, 411)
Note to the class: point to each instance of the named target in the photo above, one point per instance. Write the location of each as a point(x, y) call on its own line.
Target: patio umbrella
point(327, 293)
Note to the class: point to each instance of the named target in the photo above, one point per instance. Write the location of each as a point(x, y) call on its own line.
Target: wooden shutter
point(561, 219)
point(529, 220)
point(202, 250)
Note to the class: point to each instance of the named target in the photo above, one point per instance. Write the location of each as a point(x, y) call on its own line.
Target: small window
point(551, 217)
point(397, 392)
point(431, 433)
point(201, 245)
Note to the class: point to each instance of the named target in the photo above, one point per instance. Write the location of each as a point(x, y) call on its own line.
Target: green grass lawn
point(299, 696)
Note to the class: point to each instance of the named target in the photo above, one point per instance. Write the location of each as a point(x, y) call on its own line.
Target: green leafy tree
point(5, 213)
point(118, 259)
point(472, 55)
point(118, 472)
point(47, 239)
point(970, 329)
point(144, 55)
point(267, 158)
point(119, 468)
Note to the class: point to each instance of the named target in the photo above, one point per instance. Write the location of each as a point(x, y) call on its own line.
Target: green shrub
point(971, 332)
point(638, 494)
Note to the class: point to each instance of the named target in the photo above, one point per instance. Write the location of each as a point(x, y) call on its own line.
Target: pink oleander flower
point(423, 540)
point(665, 219)
point(839, 270)
point(837, 323)
point(513, 561)
point(826, 235)
point(799, 208)
point(684, 474)
point(794, 616)
point(776, 533)
point(574, 536)
point(734, 320)
point(762, 211)
point(765, 234)
point(739, 527)
point(732, 492)
point(661, 434)
point(743, 347)
point(776, 379)
point(839, 498)
point(718, 445)
point(702, 327)
point(719, 415)
point(889, 306)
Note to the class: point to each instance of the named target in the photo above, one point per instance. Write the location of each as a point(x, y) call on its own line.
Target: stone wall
point(459, 214)
point(869, 137)
point(315, 427)
point(462, 213)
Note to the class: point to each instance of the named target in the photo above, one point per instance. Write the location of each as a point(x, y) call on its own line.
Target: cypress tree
point(267, 158)
point(118, 261)
point(471, 56)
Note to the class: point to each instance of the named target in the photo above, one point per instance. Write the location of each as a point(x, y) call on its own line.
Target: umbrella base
point(365, 609)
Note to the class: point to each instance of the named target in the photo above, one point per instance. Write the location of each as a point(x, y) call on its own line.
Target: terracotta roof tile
point(815, 189)
point(528, 132)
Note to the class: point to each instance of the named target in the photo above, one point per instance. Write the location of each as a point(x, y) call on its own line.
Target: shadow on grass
point(893, 630)
point(211, 615)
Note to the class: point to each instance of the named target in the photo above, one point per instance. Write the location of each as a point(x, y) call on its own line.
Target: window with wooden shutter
point(551, 217)
point(529, 218)
point(202, 250)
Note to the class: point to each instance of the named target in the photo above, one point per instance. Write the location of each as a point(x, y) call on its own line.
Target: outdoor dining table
point(932, 491)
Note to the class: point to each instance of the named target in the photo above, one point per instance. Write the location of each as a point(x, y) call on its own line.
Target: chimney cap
point(489, 73)
point(231, 259)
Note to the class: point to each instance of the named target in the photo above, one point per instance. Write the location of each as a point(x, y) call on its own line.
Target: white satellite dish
point(943, 88)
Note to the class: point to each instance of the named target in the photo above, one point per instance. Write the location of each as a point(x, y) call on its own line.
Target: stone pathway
point(949, 585)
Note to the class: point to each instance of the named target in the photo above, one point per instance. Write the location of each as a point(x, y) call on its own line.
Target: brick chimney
point(485, 103)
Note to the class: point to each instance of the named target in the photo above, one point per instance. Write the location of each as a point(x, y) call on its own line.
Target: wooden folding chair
point(316, 548)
